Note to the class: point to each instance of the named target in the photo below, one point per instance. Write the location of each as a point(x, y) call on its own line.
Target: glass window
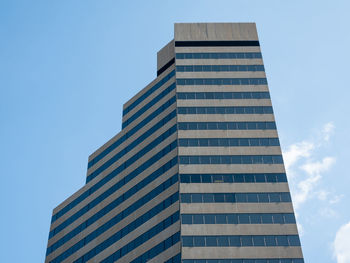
point(274, 197)
point(208, 198)
point(255, 219)
point(195, 178)
point(238, 178)
point(282, 240)
point(247, 241)
point(230, 198)
point(241, 198)
point(266, 218)
point(270, 241)
point(211, 241)
point(209, 219)
point(185, 198)
point(258, 241)
point(260, 178)
point(289, 218)
point(206, 178)
point(185, 178)
point(199, 241)
point(187, 241)
point(263, 198)
point(217, 178)
point(220, 219)
point(223, 241)
point(228, 178)
point(234, 241)
point(294, 240)
point(186, 219)
point(219, 198)
point(277, 219)
point(243, 219)
point(198, 219)
point(252, 198)
point(232, 219)
point(285, 197)
point(196, 198)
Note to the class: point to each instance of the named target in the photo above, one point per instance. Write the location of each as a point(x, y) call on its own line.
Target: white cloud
point(305, 169)
point(328, 130)
point(341, 244)
point(318, 167)
point(297, 151)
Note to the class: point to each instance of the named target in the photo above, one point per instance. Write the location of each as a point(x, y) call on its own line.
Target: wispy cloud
point(305, 169)
point(341, 244)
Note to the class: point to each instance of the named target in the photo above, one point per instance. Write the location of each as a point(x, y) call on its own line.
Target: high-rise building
point(196, 174)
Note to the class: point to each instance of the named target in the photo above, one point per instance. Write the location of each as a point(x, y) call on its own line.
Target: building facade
point(196, 174)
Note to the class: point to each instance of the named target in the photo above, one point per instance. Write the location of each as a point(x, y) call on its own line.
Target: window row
point(221, 55)
point(149, 92)
point(241, 241)
point(127, 149)
point(222, 95)
point(217, 68)
point(236, 198)
point(149, 105)
point(116, 219)
point(231, 159)
point(262, 260)
point(158, 249)
point(226, 142)
point(226, 110)
point(223, 81)
point(123, 181)
point(131, 132)
point(174, 259)
point(139, 240)
point(139, 126)
point(137, 155)
point(266, 218)
point(263, 125)
point(234, 178)
point(121, 232)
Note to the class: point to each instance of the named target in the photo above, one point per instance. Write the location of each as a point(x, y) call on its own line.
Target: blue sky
point(66, 68)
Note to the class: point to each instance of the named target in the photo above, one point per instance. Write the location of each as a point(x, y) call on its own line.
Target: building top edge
point(215, 32)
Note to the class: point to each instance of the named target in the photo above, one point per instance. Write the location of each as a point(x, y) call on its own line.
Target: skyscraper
point(196, 174)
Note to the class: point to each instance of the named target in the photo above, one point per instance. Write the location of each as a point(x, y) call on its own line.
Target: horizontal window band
point(140, 240)
point(222, 81)
point(269, 125)
point(239, 218)
point(123, 214)
point(222, 43)
point(116, 157)
point(234, 178)
point(174, 259)
point(165, 67)
point(155, 158)
point(116, 203)
point(131, 132)
point(226, 110)
point(148, 92)
point(250, 260)
point(221, 95)
point(231, 159)
point(219, 55)
point(283, 197)
point(136, 156)
point(219, 68)
point(228, 142)
point(241, 241)
point(152, 103)
point(159, 248)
